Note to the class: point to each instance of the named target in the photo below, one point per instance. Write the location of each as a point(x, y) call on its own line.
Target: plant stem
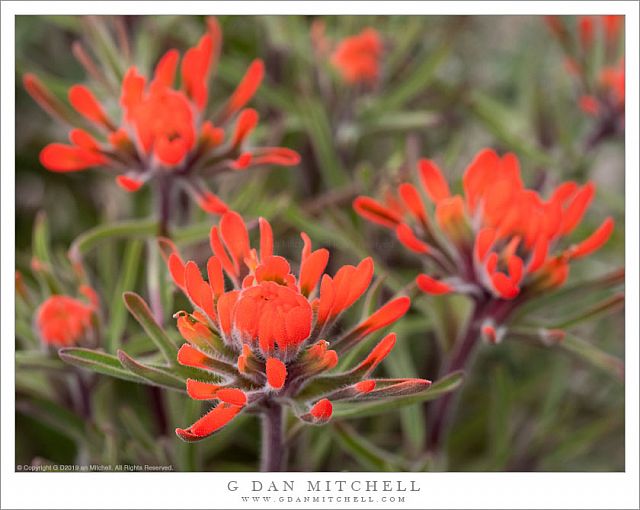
point(273, 448)
point(84, 394)
point(442, 408)
point(164, 206)
point(155, 294)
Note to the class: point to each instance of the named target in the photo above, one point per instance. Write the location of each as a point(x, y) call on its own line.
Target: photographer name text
point(262, 486)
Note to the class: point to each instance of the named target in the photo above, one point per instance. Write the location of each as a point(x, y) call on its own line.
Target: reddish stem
point(273, 448)
point(441, 410)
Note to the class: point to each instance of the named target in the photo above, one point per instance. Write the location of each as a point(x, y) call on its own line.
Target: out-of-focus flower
point(600, 89)
point(357, 58)
point(65, 321)
point(499, 242)
point(164, 131)
point(270, 337)
point(612, 78)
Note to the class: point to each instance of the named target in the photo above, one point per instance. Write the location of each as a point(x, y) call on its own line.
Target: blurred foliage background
point(449, 87)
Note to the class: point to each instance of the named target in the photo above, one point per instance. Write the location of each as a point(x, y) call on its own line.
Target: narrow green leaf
point(408, 32)
point(501, 121)
point(124, 229)
point(143, 315)
point(103, 45)
point(415, 83)
point(325, 384)
point(364, 451)
point(42, 253)
point(571, 292)
point(139, 431)
point(439, 388)
point(25, 334)
point(318, 127)
point(594, 356)
point(127, 279)
point(41, 248)
point(400, 121)
point(63, 420)
point(400, 364)
point(26, 360)
point(499, 419)
point(157, 376)
point(371, 298)
point(605, 307)
point(580, 441)
point(193, 233)
point(97, 361)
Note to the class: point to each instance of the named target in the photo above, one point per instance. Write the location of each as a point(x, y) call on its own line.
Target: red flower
point(499, 239)
point(165, 128)
point(357, 58)
point(63, 321)
point(613, 81)
point(266, 337)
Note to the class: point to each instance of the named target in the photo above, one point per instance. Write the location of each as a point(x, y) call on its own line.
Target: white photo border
point(214, 490)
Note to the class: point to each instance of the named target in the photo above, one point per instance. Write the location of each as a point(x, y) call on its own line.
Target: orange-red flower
point(164, 129)
point(498, 240)
point(271, 335)
point(357, 58)
point(64, 321)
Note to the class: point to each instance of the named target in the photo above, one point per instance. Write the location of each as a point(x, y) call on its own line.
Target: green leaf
point(500, 419)
point(365, 452)
point(154, 375)
point(372, 298)
point(127, 279)
point(26, 360)
point(139, 431)
point(320, 133)
point(594, 356)
point(400, 121)
point(56, 416)
point(97, 361)
point(106, 232)
point(580, 441)
point(570, 293)
point(103, 45)
point(604, 307)
point(414, 83)
point(325, 384)
point(193, 233)
point(143, 315)
point(408, 32)
point(502, 122)
point(41, 248)
point(400, 364)
point(353, 410)
point(42, 253)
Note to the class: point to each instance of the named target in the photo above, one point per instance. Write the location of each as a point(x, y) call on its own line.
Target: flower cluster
point(65, 321)
point(271, 336)
point(357, 58)
point(499, 241)
point(602, 87)
point(164, 131)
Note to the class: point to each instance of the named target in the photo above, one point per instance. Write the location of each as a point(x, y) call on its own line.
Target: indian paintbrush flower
point(65, 321)
point(270, 337)
point(164, 131)
point(357, 58)
point(499, 242)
